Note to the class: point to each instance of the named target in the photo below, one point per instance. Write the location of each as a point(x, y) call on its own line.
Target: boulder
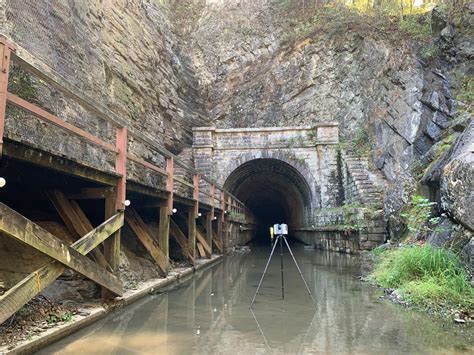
point(457, 180)
point(442, 234)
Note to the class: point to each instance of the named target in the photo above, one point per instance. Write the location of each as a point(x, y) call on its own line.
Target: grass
point(424, 276)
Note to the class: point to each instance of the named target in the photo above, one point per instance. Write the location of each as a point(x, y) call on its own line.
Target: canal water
point(209, 314)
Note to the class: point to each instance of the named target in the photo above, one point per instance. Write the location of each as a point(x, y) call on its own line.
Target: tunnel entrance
point(274, 191)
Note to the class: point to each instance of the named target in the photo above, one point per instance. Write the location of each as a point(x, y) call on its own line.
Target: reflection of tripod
point(280, 238)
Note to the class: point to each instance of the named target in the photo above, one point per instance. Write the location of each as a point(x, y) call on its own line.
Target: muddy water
point(210, 314)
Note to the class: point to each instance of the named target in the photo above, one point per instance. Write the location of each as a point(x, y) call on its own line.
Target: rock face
point(251, 77)
point(457, 181)
point(168, 66)
point(122, 53)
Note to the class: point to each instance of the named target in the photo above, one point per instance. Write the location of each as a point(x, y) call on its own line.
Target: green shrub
point(416, 27)
point(419, 217)
point(425, 276)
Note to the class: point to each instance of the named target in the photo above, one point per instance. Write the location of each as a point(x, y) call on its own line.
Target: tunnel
point(274, 191)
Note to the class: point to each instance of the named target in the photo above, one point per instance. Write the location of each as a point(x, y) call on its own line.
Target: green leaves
point(419, 216)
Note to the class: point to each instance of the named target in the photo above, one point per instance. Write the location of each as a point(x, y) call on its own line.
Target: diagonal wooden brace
point(141, 230)
point(205, 245)
point(178, 234)
point(34, 283)
point(23, 230)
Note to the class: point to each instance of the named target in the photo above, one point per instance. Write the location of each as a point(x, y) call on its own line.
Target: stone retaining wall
point(344, 229)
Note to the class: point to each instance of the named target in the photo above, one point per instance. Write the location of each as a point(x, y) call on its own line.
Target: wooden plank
point(202, 241)
point(179, 236)
point(200, 248)
point(36, 156)
point(38, 280)
point(141, 231)
point(23, 230)
point(164, 232)
point(76, 221)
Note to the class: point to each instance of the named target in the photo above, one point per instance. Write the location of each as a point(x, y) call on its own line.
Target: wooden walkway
point(209, 199)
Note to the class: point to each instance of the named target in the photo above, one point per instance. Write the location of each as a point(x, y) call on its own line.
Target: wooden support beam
point(202, 241)
point(141, 231)
point(212, 200)
point(200, 248)
point(92, 193)
point(5, 56)
point(35, 156)
point(179, 236)
point(164, 233)
point(37, 281)
point(152, 204)
point(208, 227)
point(112, 244)
point(23, 230)
point(169, 183)
point(222, 206)
point(121, 144)
point(196, 195)
point(76, 221)
point(218, 236)
point(192, 232)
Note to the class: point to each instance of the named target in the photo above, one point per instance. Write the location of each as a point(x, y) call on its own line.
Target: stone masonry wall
point(344, 229)
point(311, 151)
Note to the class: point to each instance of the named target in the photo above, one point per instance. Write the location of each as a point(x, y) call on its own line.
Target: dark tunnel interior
point(274, 191)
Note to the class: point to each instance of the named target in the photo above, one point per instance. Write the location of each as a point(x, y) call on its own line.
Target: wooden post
point(209, 230)
point(112, 244)
point(212, 200)
point(220, 223)
point(169, 183)
point(192, 232)
point(121, 166)
point(196, 195)
point(222, 206)
point(164, 233)
point(5, 53)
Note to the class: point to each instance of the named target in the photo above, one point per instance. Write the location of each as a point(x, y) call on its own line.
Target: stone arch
point(274, 189)
point(285, 156)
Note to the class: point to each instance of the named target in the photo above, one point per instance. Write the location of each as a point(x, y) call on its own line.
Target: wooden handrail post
point(121, 166)
point(222, 206)
point(208, 223)
point(5, 52)
point(192, 232)
point(169, 183)
point(196, 195)
point(212, 198)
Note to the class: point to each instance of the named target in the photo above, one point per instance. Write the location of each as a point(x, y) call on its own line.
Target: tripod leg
point(264, 272)
point(299, 270)
point(281, 268)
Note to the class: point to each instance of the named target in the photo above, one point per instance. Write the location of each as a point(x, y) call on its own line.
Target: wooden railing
point(205, 190)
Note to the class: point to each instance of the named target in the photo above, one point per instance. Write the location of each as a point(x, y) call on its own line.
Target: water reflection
point(210, 314)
